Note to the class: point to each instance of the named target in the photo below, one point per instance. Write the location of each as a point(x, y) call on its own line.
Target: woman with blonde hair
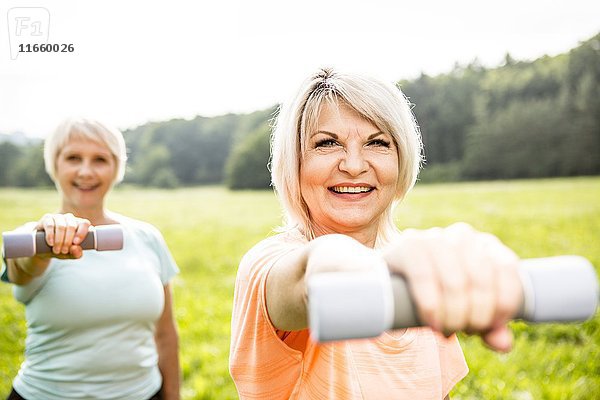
point(345, 150)
point(99, 324)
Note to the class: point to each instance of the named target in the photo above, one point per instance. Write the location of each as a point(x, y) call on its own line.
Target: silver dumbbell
point(27, 244)
point(350, 305)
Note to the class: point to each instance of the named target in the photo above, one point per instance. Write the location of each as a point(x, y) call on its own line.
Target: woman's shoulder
point(282, 240)
point(270, 249)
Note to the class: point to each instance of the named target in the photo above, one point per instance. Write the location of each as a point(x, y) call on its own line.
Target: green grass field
point(209, 229)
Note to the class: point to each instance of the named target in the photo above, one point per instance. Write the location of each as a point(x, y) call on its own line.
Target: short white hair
point(381, 103)
point(82, 128)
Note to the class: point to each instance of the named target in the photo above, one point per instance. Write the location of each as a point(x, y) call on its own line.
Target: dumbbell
point(363, 304)
point(27, 244)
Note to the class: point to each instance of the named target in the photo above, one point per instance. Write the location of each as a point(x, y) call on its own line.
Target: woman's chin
point(351, 222)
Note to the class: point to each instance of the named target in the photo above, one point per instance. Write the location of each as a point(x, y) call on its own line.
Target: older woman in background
point(99, 324)
point(346, 150)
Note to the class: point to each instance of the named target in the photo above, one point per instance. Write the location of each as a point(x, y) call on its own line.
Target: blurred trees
point(196, 152)
point(22, 166)
point(9, 154)
point(442, 106)
point(520, 120)
point(247, 166)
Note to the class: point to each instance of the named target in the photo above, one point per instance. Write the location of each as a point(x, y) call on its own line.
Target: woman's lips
point(351, 189)
point(85, 187)
point(351, 192)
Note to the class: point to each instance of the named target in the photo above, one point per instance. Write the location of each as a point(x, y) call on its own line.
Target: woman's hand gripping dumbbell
point(27, 244)
point(361, 304)
point(28, 250)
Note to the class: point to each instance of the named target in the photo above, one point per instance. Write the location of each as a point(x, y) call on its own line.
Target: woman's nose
point(84, 169)
point(354, 162)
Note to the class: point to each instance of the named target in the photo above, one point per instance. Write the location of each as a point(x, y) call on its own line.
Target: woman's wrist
point(30, 266)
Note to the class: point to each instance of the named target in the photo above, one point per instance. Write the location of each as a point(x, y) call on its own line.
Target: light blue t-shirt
point(91, 322)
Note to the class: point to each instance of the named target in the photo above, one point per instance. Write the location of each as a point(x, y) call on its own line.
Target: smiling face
point(348, 173)
point(85, 171)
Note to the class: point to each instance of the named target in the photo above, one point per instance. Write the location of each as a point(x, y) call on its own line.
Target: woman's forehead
point(80, 142)
point(341, 118)
point(338, 112)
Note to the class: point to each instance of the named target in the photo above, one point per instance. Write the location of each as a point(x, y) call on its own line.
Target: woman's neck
point(366, 236)
point(96, 216)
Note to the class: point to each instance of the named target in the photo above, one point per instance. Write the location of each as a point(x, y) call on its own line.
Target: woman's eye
point(379, 142)
point(100, 159)
point(326, 143)
point(73, 157)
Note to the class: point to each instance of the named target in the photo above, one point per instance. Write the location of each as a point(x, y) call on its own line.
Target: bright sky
point(140, 61)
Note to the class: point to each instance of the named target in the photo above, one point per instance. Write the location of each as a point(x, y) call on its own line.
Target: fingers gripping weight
point(349, 305)
point(27, 244)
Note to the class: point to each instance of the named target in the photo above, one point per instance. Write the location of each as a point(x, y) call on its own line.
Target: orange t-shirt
point(266, 363)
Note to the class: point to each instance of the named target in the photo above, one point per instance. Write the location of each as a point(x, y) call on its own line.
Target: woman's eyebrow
point(333, 135)
point(374, 135)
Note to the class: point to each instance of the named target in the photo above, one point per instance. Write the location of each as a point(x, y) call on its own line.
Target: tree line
point(523, 119)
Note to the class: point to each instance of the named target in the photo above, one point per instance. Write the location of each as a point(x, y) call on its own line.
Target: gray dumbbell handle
point(27, 244)
point(346, 305)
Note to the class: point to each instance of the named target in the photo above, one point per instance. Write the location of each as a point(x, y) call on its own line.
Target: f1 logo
point(27, 25)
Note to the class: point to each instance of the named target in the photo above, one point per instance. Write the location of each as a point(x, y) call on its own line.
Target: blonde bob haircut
point(82, 128)
point(383, 104)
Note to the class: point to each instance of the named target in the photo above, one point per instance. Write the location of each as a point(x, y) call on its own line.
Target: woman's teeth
point(348, 189)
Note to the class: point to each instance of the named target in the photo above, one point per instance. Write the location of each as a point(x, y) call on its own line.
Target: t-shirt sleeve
point(261, 364)
point(452, 362)
point(168, 266)
point(151, 244)
point(25, 293)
